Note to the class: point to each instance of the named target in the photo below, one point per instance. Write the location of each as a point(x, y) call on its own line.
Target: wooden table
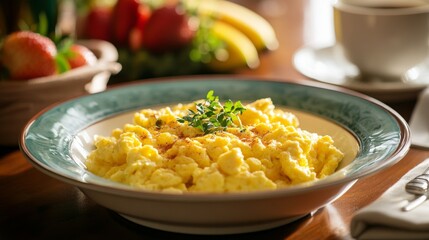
point(35, 206)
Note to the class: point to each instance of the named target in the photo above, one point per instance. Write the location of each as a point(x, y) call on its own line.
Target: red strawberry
point(123, 18)
point(137, 32)
point(97, 23)
point(28, 55)
point(81, 56)
point(168, 29)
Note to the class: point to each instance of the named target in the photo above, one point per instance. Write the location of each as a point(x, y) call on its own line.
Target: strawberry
point(28, 55)
point(80, 56)
point(135, 40)
point(168, 28)
point(123, 18)
point(97, 23)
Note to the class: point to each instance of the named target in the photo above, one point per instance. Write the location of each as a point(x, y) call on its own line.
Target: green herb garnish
point(210, 116)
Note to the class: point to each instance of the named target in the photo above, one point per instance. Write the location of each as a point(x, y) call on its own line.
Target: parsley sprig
point(211, 116)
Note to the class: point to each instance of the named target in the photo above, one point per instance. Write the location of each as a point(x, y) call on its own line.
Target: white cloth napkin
point(384, 218)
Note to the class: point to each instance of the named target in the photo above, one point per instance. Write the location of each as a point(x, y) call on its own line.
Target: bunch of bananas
point(245, 33)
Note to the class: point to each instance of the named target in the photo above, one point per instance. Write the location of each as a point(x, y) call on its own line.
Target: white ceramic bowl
point(20, 100)
point(372, 135)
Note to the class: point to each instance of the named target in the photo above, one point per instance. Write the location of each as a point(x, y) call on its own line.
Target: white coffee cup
point(383, 38)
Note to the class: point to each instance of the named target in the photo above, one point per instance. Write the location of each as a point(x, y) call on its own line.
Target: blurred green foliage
point(15, 14)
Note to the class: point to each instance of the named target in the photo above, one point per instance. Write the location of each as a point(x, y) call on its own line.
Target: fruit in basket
point(28, 55)
point(168, 28)
point(80, 56)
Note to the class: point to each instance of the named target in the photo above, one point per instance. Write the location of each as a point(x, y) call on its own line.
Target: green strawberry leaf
point(62, 63)
point(63, 47)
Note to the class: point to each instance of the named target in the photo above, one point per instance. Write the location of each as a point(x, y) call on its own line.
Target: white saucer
point(328, 65)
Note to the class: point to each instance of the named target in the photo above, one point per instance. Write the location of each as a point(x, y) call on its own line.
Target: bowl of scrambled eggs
point(215, 155)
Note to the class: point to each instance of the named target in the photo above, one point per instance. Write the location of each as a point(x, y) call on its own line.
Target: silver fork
point(418, 186)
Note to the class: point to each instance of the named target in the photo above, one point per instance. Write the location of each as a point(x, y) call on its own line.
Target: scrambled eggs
point(157, 152)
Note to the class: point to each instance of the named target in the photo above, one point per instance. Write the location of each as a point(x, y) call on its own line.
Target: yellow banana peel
point(239, 51)
point(254, 26)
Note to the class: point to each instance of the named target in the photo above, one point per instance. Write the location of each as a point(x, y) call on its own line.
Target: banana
point(239, 51)
point(254, 26)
